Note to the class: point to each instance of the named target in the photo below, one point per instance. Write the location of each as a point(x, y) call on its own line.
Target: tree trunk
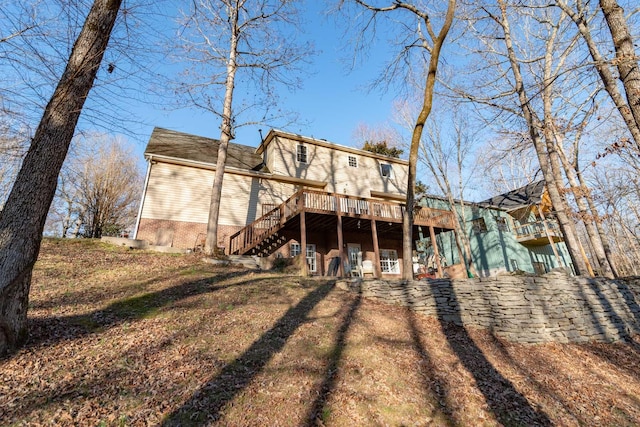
point(462, 239)
point(24, 214)
point(534, 125)
point(211, 241)
point(553, 178)
point(407, 218)
point(556, 155)
point(590, 217)
point(626, 59)
point(631, 242)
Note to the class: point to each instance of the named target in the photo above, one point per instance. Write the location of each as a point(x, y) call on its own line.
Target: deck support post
point(436, 252)
point(303, 244)
point(340, 241)
point(303, 235)
point(376, 249)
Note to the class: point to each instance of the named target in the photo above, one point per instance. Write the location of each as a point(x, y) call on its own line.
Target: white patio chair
point(366, 268)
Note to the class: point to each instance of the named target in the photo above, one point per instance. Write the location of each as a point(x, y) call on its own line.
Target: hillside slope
point(121, 337)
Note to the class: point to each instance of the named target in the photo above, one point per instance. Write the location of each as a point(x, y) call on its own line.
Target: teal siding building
point(507, 233)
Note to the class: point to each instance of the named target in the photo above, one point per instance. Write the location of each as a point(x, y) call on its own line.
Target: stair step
point(247, 261)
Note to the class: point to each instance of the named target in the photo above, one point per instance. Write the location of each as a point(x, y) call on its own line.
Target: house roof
point(178, 145)
point(531, 194)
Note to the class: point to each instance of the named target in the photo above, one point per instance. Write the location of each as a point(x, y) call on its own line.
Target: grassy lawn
point(121, 337)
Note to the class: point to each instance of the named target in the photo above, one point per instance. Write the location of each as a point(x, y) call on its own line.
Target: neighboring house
point(291, 195)
point(514, 231)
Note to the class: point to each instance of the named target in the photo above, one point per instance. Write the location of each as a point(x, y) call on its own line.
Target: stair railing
point(264, 226)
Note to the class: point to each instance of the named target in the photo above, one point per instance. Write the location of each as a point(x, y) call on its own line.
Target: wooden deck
point(335, 205)
point(535, 233)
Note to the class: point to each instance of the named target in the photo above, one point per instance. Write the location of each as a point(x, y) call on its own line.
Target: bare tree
point(618, 196)
point(626, 59)
point(416, 33)
point(445, 158)
point(545, 148)
point(23, 217)
point(526, 71)
point(98, 190)
point(221, 38)
point(109, 182)
point(587, 211)
point(383, 133)
point(38, 36)
point(508, 162)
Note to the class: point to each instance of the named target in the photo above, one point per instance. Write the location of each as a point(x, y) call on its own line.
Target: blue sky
point(331, 103)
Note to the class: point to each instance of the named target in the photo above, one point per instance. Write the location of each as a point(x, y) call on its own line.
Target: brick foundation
point(180, 234)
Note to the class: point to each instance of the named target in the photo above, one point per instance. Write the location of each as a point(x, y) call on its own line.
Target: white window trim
point(391, 174)
point(389, 262)
point(352, 161)
point(294, 249)
point(311, 257)
point(310, 254)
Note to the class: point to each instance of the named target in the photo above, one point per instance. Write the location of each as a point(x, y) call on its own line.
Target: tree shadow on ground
point(499, 348)
point(46, 331)
point(207, 402)
point(508, 405)
point(624, 355)
point(431, 383)
point(315, 414)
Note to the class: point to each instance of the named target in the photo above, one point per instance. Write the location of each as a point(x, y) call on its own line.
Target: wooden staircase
point(261, 237)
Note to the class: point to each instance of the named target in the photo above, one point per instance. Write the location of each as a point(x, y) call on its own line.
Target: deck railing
point(331, 204)
point(320, 202)
point(536, 230)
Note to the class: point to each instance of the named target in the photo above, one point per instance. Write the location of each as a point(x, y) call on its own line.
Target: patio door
point(354, 253)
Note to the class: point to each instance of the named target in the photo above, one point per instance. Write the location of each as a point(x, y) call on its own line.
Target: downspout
point(144, 194)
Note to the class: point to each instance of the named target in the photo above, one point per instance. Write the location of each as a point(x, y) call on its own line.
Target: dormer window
point(302, 153)
point(386, 170)
point(353, 161)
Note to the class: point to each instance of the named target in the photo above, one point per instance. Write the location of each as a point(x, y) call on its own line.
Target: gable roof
point(528, 195)
point(178, 145)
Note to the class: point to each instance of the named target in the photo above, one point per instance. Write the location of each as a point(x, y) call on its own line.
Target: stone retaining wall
point(528, 309)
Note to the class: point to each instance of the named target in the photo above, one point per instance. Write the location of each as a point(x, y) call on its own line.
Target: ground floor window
point(311, 258)
point(389, 261)
point(294, 250)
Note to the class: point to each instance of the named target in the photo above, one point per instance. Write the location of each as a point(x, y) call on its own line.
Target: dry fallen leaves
point(122, 337)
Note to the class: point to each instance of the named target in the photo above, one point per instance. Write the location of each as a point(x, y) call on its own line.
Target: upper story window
point(353, 161)
point(302, 153)
point(386, 170)
point(503, 225)
point(478, 225)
